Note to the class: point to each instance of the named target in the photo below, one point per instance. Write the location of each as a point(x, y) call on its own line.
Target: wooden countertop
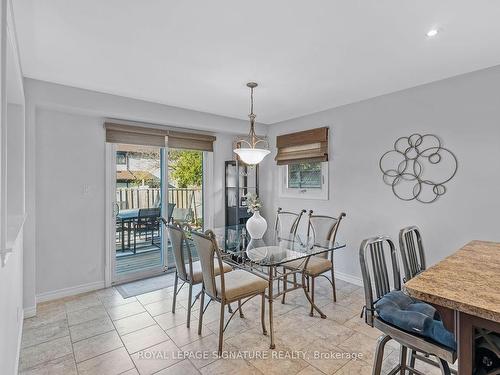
point(467, 281)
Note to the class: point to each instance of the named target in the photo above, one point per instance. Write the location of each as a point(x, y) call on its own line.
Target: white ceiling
point(306, 55)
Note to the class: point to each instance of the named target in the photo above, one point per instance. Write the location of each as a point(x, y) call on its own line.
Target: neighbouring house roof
point(126, 175)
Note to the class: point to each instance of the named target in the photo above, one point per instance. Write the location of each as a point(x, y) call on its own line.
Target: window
point(307, 180)
point(121, 158)
point(304, 175)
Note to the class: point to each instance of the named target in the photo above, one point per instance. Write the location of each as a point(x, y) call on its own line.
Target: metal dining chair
point(287, 223)
point(186, 270)
point(323, 230)
point(285, 226)
point(412, 252)
point(379, 279)
point(225, 288)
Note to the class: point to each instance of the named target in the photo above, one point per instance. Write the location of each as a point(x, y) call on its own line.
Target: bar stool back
point(412, 252)
point(381, 275)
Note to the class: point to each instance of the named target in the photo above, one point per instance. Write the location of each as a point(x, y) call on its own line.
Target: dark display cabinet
point(240, 179)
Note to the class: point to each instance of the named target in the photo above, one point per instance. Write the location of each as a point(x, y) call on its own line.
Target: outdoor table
point(127, 217)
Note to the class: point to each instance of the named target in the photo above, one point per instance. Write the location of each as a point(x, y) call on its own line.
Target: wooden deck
point(140, 261)
point(146, 257)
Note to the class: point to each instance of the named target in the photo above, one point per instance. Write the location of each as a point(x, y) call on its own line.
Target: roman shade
point(305, 146)
point(154, 136)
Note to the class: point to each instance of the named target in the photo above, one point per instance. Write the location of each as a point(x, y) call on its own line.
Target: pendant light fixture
point(249, 153)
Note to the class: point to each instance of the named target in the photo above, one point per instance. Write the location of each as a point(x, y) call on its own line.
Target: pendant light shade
point(249, 153)
point(251, 156)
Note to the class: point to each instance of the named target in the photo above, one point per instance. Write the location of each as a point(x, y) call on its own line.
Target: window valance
point(305, 146)
point(155, 136)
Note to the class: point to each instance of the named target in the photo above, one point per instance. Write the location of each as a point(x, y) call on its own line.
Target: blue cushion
point(413, 316)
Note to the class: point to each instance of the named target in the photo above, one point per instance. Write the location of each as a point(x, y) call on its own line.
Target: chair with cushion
point(413, 260)
point(225, 288)
point(412, 252)
point(411, 323)
point(323, 231)
point(286, 226)
point(287, 223)
point(186, 270)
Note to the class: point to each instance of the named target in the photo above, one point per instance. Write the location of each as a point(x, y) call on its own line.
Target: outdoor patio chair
point(411, 323)
point(323, 232)
point(225, 288)
point(148, 221)
point(170, 212)
point(186, 270)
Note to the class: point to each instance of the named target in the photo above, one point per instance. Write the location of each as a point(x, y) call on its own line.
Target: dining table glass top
point(272, 250)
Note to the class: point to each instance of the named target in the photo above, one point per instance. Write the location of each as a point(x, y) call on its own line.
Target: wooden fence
point(185, 199)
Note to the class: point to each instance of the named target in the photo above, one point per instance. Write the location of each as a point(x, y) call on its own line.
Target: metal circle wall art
point(418, 168)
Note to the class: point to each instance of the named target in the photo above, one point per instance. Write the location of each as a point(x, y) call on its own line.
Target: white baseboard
point(349, 278)
point(71, 291)
point(19, 340)
point(29, 312)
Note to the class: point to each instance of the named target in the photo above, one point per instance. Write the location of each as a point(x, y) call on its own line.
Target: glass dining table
point(268, 258)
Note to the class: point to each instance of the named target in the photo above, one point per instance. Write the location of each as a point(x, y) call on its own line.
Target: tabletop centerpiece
point(256, 224)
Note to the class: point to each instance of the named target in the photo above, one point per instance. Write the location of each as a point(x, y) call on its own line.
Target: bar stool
point(413, 260)
point(412, 252)
point(374, 255)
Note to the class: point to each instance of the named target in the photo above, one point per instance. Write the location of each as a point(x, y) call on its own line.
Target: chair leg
point(175, 292)
point(379, 354)
point(239, 308)
point(263, 313)
point(307, 278)
point(190, 297)
point(412, 358)
point(443, 365)
point(202, 307)
point(311, 313)
point(285, 282)
point(221, 328)
point(333, 285)
point(402, 359)
point(135, 241)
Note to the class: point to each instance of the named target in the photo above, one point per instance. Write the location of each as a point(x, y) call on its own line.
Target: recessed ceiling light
point(432, 33)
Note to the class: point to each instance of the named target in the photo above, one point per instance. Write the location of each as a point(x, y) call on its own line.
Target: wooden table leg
point(465, 343)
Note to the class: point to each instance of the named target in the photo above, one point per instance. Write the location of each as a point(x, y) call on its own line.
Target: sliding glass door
point(140, 185)
point(148, 183)
point(185, 191)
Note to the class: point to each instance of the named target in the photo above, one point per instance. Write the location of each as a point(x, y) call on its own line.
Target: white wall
point(463, 111)
point(11, 308)
point(66, 151)
point(12, 200)
point(70, 221)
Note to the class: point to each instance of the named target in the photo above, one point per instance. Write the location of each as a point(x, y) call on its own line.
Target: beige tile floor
point(101, 333)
